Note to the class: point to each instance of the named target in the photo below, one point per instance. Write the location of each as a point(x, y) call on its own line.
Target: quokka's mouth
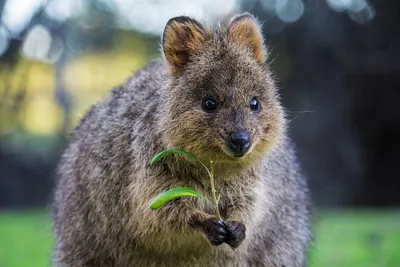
point(234, 154)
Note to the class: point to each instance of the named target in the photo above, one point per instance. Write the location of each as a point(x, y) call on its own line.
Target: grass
point(25, 239)
point(357, 239)
point(343, 238)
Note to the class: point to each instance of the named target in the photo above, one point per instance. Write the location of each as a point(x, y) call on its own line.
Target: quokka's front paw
point(215, 231)
point(220, 231)
point(236, 233)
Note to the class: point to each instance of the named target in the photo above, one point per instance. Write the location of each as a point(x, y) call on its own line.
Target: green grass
point(357, 239)
point(343, 239)
point(25, 239)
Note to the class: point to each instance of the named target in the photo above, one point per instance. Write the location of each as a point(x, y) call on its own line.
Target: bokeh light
point(17, 13)
point(37, 43)
point(289, 10)
point(60, 10)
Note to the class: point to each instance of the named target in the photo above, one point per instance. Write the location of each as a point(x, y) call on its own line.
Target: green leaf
point(170, 151)
point(173, 194)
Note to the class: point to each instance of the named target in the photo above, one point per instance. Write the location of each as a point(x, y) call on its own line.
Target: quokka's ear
point(182, 38)
point(245, 30)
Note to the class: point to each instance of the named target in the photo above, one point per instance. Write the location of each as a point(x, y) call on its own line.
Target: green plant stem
point(211, 173)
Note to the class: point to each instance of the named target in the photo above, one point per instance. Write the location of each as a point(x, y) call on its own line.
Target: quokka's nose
point(239, 143)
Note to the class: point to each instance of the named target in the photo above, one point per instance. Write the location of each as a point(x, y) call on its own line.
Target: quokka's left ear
point(245, 30)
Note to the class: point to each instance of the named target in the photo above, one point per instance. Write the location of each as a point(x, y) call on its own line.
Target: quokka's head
point(222, 103)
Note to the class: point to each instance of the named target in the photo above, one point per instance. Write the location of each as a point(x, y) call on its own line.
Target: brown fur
point(101, 211)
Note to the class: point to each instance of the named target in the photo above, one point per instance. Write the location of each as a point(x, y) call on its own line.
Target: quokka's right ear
point(182, 38)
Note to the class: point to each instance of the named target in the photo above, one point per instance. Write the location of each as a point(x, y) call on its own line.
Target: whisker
point(302, 111)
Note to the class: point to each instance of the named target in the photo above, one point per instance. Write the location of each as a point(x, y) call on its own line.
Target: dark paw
point(236, 232)
point(215, 231)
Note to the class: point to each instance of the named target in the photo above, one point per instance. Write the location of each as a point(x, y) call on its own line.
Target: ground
point(342, 238)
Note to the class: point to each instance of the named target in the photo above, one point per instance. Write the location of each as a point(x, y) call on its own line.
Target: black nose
point(239, 143)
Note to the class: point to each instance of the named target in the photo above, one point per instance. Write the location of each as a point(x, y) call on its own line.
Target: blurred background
point(338, 69)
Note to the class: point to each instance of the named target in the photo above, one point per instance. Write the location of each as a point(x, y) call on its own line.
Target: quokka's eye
point(255, 105)
point(209, 104)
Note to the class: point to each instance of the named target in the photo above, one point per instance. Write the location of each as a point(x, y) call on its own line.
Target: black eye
point(209, 104)
point(255, 105)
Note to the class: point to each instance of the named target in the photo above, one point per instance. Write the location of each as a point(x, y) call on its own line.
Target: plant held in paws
point(179, 192)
